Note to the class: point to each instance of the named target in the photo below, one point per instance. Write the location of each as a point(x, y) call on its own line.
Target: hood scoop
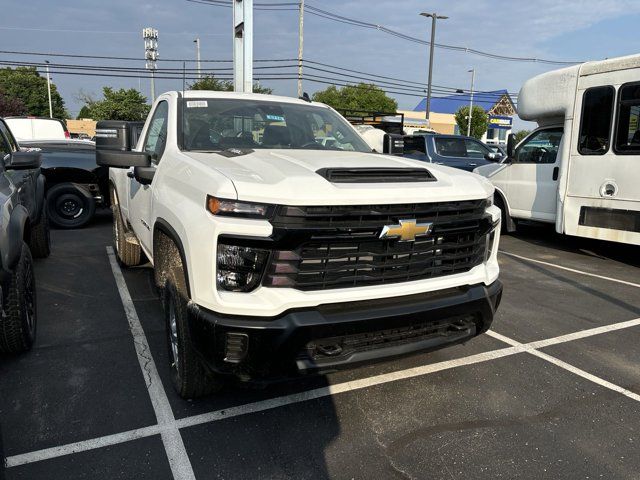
point(376, 175)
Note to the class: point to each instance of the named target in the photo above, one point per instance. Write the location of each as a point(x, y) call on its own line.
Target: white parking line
point(584, 334)
point(173, 426)
point(345, 387)
point(82, 446)
point(575, 370)
point(173, 444)
point(573, 270)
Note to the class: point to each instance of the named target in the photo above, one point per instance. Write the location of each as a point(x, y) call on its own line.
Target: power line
point(399, 86)
point(133, 69)
point(266, 77)
point(338, 18)
point(360, 23)
point(226, 72)
point(137, 59)
point(284, 60)
point(256, 5)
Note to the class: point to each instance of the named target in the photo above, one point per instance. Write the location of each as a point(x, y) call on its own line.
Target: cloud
point(533, 28)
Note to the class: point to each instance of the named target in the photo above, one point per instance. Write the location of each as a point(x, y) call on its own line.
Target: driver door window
point(476, 149)
point(156, 139)
point(540, 148)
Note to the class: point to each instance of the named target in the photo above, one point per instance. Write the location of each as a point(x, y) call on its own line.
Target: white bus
point(581, 168)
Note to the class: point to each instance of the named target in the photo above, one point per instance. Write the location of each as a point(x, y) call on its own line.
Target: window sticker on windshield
point(275, 118)
point(197, 104)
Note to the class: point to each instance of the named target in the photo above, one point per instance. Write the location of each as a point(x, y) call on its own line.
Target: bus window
point(628, 127)
point(595, 124)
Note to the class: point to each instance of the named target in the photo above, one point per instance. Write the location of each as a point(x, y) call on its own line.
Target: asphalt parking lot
point(553, 391)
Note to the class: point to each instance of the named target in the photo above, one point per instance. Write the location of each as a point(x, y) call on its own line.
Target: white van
point(581, 168)
point(34, 128)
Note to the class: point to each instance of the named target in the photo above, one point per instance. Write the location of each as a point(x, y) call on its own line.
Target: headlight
point(233, 208)
point(489, 201)
point(240, 269)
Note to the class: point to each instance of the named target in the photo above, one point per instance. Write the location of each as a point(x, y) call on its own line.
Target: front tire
point(507, 225)
point(40, 238)
point(69, 206)
point(189, 376)
point(128, 251)
point(19, 321)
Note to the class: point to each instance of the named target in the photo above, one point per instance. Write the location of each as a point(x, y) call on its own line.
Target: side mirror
point(493, 157)
point(122, 159)
point(511, 145)
point(144, 175)
point(23, 161)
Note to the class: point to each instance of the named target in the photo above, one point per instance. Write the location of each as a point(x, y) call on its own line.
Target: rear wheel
point(18, 323)
point(40, 238)
point(69, 206)
point(189, 376)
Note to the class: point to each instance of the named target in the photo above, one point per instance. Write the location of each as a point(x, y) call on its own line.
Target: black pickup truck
point(24, 233)
point(75, 184)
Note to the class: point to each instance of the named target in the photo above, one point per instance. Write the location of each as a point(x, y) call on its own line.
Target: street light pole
point(433, 17)
point(473, 77)
point(197, 42)
point(49, 90)
point(300, 47)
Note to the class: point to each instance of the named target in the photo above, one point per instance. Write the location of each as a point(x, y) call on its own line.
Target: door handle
point(556, 172)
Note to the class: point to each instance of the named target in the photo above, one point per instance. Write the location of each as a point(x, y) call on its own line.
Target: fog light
point(240, 268)
point(236, 347)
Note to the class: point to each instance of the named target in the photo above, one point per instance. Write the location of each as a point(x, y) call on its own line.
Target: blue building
point(497, 104)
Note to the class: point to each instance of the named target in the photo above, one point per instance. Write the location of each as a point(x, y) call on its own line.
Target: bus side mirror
point(511, 145)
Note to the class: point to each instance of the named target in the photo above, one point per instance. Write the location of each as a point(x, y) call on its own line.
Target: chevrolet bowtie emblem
point(407, 230)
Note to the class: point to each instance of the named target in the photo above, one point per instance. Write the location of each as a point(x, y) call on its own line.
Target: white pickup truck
point(278, 254)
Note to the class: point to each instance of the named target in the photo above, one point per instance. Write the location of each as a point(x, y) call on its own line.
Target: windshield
point(220, 124)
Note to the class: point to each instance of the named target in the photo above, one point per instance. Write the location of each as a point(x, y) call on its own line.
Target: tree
point(209, 82)
point(360, 98)
point(520, 134)
point(85, 112)
point(26, 85)
point(128, 105)
point(479, 121)
point(11, 106)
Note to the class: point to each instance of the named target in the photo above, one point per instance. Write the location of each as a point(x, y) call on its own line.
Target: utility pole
point(473, 78)
point(150, 36)
point(433, 17)
point(49, 90)
point(300, 47)
point(243, 45)
point(197, 42)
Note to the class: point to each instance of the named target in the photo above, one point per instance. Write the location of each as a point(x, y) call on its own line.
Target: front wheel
point(69, 206)
point(19, 316)
point(507, 224)
point(188, 375)
point(40, 237)
point(128, 249)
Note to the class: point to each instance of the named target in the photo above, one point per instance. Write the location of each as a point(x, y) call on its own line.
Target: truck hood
point(289, 177)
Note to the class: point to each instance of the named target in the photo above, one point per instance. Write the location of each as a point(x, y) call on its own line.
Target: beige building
point(440, 122)
point(85, 125)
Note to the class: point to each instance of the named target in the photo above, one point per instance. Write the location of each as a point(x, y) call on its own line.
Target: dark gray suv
point(451, 150)
point(24, 232)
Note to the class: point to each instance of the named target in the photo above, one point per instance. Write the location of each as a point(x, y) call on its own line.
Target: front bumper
point(333, 336)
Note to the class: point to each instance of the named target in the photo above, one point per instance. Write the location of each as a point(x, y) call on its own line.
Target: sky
point(568, 30)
